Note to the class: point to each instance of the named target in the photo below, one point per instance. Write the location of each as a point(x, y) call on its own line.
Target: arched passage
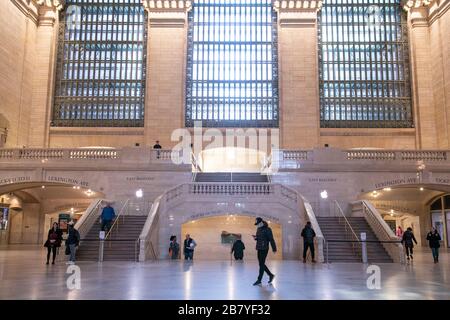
point(215, 236)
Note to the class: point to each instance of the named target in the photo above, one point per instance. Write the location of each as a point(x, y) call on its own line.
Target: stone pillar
point(166, 62)
point(298, 67)
point(431, 70)
point(43, 75)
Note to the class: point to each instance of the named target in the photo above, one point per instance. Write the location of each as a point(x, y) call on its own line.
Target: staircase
point(123, 244)
point(342, 251)
point(231, 177)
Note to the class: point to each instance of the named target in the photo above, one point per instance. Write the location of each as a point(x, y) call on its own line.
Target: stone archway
point(207, 232)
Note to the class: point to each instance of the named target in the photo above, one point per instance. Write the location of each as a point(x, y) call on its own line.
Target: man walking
point(308, 235)
point(263, 237)
point(189, 246)
point(108, 215)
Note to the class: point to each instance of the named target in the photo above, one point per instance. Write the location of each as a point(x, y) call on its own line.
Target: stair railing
point(383, 232)
point(350, 234)
point(148, 231)
point(195, 167)
point(116, 221)
point(88, 219)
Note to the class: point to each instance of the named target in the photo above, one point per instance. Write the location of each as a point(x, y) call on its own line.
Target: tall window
point(232, 64)
point(364, 65)
point(100, 78)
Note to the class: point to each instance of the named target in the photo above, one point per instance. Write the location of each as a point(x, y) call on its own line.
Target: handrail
point(116, 221)
point(147, 231)
point(88, 218)
point(349, 230)
point(383, 231)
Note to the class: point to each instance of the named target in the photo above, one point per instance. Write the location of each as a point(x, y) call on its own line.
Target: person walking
point(434, 239)
point(72, 242)
point(399, 232)
point(263, 238)
point(174, 248)
point(238, 249)
point(54, 239)
point(108, 215)
point(308, 235)
point(407, 240)
point(189, 246)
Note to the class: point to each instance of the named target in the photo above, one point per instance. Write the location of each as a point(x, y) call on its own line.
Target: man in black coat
point(407, 241)
point(263, 237)
point(308, 235)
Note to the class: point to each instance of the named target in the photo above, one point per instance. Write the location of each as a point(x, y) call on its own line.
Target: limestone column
point(166, 64)
point(43, 74)
point(298, 73)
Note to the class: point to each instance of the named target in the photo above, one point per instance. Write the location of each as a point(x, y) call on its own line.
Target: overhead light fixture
point(139, 193)
point(421, 189)
point(43, 187)
point(89, 192)
point(324, 194)
point(387, 189)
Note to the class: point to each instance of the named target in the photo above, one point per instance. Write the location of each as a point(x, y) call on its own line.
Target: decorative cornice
point(38, 10)
point(167, 5)
point(297, 5)
point(425, 12)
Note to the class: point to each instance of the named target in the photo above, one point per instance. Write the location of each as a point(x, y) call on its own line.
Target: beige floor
point(24, 275)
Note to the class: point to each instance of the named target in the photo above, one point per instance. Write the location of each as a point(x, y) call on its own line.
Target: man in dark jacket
point(238, 249)
point(434, 239)
point(72, 242)
point(108, 215)
point(308, 235)
point(189, 246)
point(263, 237)
point(407, 241)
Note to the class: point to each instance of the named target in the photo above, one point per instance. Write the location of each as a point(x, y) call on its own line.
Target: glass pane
point(101, 64)
point(364, 65)
point(232, 69)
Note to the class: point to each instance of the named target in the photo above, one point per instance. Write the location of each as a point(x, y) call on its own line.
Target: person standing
point(108, 215)
point(434, 239)
point(54, 239)
point(399, 232)
point(263, 238)
point(407, 241)
point(308, 235)
point(174, 248)
point(238, 249)
point(157, 147)
point(189, 246)
point(72, 242)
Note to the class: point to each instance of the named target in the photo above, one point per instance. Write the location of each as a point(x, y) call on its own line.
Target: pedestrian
point(54, 239)
point(72, 242)
point(174, 248)
point(157, 147)
point(407, 241)
point(189, 246)
point(238, 249)
point(308, 235)
point(399, 232)
point(434, 239)
point(263, 238)
point(108, 215)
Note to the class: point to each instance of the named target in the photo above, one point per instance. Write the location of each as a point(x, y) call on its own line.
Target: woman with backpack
point(54, 239)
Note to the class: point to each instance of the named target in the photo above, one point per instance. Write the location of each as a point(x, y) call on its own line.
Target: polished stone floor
point(24, 275)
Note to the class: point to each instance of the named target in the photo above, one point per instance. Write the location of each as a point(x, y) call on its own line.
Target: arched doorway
point(215, 236)
point(231, 159)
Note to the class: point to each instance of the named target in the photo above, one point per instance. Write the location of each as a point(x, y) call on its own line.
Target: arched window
point(232, 64)
point(100, 76)
point(364, 65)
